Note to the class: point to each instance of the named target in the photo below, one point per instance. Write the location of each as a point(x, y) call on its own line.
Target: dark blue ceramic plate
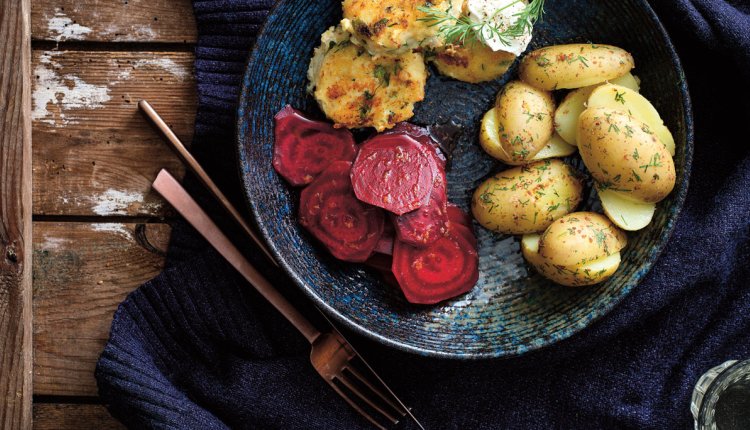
point(511, 310)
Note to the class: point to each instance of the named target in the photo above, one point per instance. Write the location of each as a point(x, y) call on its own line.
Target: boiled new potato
point(566, 115)
point(589, 273)
point(623, 155)
point(530, 249)
point(519, 125)
point(625, 213)
point(528, 198)
point(556, 147)
point(625, 99)
point(473, 63)
point(580, 238)
point(574, 66)
point(628, 80)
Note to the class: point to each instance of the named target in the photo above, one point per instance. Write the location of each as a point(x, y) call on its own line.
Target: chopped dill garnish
point(383, 74)
point(465, 30)
point(620, 97)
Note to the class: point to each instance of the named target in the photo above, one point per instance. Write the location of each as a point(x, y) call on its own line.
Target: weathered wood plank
point(114, 21)
point(94, 153)
point(56, 416)
point(15, 215)
point(81, 273)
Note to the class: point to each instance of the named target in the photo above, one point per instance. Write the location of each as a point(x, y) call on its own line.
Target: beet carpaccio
point(383, 202)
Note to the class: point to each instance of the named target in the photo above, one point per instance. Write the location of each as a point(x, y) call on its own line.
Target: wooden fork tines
point(337, 362)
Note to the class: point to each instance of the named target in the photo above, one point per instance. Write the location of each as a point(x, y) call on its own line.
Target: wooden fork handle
point(176, 195)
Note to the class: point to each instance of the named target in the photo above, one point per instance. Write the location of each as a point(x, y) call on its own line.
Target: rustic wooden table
point(98, 229)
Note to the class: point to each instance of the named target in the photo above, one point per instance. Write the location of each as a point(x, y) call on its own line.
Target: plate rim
point(328, 310)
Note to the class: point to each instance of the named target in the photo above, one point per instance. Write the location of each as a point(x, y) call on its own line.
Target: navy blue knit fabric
point(197, 348)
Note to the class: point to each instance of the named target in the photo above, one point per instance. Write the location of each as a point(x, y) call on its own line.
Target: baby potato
point(628, 80)
point(580, 238)
point(570, 276)
point(626, 214)
point(566, 114)
point(473, 63)
point(624, 155)
point(519, 125)
point(528, 198)
point(555, 147)
point(574, 66)
point(627, 100)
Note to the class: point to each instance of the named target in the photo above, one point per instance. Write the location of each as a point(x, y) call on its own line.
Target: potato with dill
point(624, 155)
point(356, 89)
point(632, 167)
point(624, 98)
point(391, 26)
point(582, 248)
point(570, 108)
point(527, 199)
point(473, 62)
point(574, 66)
point(520, 124)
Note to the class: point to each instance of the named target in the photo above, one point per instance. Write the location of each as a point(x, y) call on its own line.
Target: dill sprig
point(463, 29)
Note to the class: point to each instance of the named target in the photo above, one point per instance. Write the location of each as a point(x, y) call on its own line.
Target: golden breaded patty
point(355, 89)
point(472, 63)
point(391, 26)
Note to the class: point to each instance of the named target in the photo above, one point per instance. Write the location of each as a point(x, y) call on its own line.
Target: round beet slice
point(349, 228)
point(421, 135)
point(381, 262)
point(467, 233)
point(394, 172)
point(457, 215)
point(385, 244)
point(444, 270)
point(424, 226)
point(303, 148)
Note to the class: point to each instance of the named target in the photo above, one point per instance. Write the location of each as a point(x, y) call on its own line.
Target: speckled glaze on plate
point(511, 310)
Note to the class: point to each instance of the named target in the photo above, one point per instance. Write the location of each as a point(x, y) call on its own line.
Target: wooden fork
point(332, 356)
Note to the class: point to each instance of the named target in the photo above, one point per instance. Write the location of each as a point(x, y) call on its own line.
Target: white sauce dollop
point(483, 10)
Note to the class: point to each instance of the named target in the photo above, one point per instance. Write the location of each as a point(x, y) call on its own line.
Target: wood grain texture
point(15, 216)
point(114, 21)
point(81, 273)
point(94, 153)
point(50, 416)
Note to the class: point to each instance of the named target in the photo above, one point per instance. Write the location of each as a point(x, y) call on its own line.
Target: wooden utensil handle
point(202, 175)
point(176, 195)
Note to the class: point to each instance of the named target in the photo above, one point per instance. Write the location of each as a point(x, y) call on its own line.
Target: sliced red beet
point(304, 148)
point(444, 270)
point(467, 233)
point(349, 228)
point(389, 279)
point(457, 215)
point(424, 226)
point(394, 172)
point(380, 262)
point(385, 244)
point(421, 135)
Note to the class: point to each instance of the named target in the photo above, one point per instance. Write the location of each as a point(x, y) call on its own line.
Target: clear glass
point(721, 398)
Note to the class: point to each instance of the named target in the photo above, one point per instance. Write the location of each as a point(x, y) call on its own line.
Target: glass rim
point(722, 381)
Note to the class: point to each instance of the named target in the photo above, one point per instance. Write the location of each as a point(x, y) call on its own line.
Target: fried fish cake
point(472, 63)
point(355, 89)
point(392, 26)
